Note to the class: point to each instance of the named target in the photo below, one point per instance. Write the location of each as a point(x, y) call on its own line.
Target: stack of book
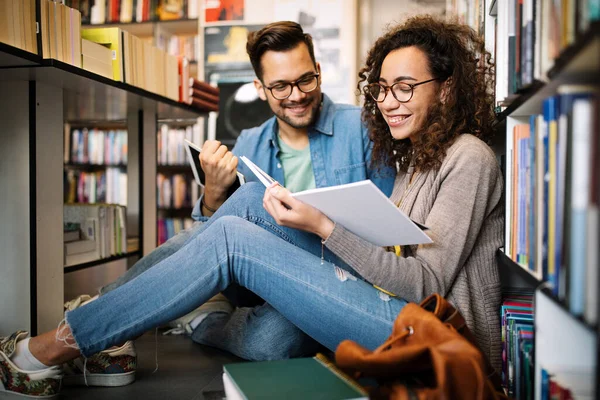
point(169, 227)
point(176, 191)
point(61, 32)
point(102, 233)
point(125, 11)
point(96, 146)
point(530, 35)
point(138, 63)
point(203, 96)
point(554, 198)
point(517, 345)
point(17, 24)
point(109, 186)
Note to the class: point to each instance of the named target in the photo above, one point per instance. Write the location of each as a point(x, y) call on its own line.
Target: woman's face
point(407, 65)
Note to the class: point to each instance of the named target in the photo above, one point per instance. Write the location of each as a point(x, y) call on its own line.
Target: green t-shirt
point(297, 167)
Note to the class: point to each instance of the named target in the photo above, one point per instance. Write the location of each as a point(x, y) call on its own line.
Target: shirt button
point(278, 165)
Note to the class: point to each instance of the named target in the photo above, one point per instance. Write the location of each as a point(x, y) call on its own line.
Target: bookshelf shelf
point(533, 282)
point(183, 212)
point(578, 63)
point(11, 57)
point(174, 169)
point(512, 267)
point(89, 96)
point(79, 267)
point(94, 167)
point(147, 28)
point(563, 306)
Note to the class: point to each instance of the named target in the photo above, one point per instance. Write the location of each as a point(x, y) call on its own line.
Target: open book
point(361, 208)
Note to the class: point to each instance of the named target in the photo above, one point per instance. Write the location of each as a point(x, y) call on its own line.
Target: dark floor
point(186, 371)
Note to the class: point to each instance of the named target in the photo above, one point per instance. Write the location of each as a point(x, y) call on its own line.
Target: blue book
point(549, 113)
point(531, 195)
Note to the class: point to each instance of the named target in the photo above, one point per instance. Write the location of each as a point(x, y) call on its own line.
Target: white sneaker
point(185, 325)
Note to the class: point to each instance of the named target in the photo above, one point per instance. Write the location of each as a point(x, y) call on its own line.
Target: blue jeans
point(255, 330)
point(284, 269)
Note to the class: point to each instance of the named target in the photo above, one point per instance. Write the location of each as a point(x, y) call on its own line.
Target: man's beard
point(293, 122)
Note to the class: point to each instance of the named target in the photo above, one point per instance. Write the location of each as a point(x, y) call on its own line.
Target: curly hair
point(456, 55)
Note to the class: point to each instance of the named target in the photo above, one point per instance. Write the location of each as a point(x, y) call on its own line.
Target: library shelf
point(93, 167)
point(78, 267)
point(170, 212)
point(534, 283)
point(508, 264)
point(89, 96)
point(565, 308)
point(147, 28)
point(174, 169)
point(579, 62)
point(11, 57)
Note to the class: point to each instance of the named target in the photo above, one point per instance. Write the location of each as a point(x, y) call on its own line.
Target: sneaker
point(17, 383)
point(112, 367)
point(185, 325)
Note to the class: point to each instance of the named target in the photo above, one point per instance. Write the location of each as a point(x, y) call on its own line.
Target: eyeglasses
point(283, 90)
point(401, 91)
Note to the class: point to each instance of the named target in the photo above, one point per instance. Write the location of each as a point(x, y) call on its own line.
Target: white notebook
point(361, 208)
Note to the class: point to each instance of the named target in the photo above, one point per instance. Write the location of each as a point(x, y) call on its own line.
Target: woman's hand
point(287, 211)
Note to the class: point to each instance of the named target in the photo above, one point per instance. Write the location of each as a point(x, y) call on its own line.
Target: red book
point(203, 105)
point(199, 94)
point(205, 87)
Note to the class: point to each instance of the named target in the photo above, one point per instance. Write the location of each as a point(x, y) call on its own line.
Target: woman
point(427, 105)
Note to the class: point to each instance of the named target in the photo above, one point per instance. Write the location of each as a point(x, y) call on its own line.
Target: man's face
point(300, 110)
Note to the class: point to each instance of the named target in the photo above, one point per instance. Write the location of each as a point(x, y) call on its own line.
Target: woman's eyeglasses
point(283, 90)
point(401, 91)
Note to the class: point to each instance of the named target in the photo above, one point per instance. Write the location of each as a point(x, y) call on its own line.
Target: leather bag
point(431, 354)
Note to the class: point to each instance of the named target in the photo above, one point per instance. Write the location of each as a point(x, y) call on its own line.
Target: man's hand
point(219, 166)
point(293, 213)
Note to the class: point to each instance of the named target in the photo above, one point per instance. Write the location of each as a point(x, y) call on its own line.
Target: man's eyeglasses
point(401, 91)
point(283, 90)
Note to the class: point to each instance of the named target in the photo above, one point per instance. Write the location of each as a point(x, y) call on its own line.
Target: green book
point(297, 378)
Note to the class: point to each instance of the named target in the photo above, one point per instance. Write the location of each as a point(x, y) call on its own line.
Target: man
point(310, 142)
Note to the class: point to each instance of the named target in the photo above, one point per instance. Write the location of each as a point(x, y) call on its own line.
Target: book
point(197, 84)
point(111, 38)
point(193, 153)
point(297, 378)
point(381, 222)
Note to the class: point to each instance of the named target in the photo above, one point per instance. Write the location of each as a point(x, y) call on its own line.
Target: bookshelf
point(538, 58)
point(37, 98)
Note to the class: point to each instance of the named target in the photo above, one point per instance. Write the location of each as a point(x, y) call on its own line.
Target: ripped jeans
point(242, 245)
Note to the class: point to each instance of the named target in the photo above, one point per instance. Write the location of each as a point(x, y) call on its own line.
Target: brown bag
point(425, 357)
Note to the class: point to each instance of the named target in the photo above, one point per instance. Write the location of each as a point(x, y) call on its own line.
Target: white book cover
point(361, 208)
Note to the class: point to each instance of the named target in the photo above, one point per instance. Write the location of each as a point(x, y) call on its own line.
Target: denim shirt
point(340, 150)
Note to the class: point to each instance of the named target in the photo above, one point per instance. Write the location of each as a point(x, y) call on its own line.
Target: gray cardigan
point(462, 205)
